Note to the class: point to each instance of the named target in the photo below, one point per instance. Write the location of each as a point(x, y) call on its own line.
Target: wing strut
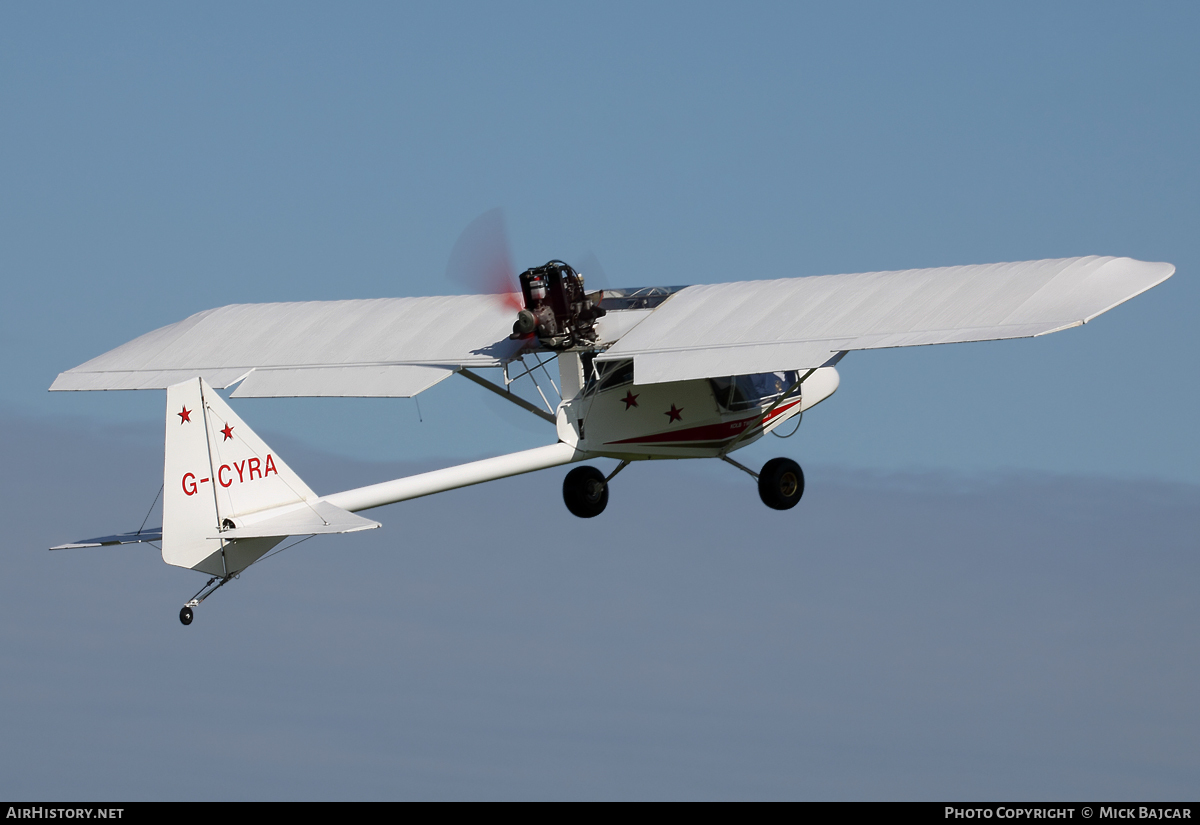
point(506, 394)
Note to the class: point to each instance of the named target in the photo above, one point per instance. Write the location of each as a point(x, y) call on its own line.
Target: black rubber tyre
point(585, 492)
point(185, 615)
point(781, 484)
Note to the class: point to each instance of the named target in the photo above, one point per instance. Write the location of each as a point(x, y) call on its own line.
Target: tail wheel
point(781, 484)
point(585, 492)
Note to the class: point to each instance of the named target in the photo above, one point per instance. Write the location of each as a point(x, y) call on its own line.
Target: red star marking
point(186, 415)
point(630, 399)
point(674, 414)
point(227, 432)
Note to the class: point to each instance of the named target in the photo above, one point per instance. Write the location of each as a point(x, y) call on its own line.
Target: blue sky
point(163, 160)
point(912, 636)
point(158, 160)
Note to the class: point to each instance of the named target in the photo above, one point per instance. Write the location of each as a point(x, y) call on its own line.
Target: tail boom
point(463, 475)
point(229, 498)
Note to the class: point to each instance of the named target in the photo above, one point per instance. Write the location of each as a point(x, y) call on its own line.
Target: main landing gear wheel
point(185, 615)
point(781, 484)
point(585, 492)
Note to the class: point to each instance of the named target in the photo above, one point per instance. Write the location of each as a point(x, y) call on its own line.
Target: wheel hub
point(789, 484)
point(593, 490)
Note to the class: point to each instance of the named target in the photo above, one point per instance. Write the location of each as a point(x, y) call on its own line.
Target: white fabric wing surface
point(379, 347)
point(798, 323)
point(398, 347)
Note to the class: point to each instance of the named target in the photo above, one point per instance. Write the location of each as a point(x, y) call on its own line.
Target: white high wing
point(652, 373)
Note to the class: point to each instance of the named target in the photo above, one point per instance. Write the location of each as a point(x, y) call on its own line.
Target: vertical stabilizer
point(217, 470)
point(189, 504)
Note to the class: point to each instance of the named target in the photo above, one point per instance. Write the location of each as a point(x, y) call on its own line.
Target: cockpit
point(733, 394)
point(744, 392)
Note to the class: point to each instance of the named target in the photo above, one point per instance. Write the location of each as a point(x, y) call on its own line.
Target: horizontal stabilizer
point(153, 534)
point(302, 519)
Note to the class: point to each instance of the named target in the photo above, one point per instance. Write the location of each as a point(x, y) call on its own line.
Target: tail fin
point(229, 498)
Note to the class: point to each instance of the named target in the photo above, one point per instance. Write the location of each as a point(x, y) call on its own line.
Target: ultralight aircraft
point(647, 373)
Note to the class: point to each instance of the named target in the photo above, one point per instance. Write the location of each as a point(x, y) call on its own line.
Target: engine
point(557, 309)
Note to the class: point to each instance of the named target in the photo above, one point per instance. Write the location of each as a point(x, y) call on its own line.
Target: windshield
point(612, 374)
point(742, 392)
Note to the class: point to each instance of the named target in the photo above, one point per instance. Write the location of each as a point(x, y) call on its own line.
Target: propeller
point(594, 277)
point(482, 262)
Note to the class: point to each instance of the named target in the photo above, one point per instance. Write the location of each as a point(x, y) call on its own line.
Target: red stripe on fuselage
point(707, 432)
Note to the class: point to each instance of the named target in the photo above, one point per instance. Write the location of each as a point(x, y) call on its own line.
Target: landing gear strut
point(585, 492)
point(185, 613)
point(781, 484)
